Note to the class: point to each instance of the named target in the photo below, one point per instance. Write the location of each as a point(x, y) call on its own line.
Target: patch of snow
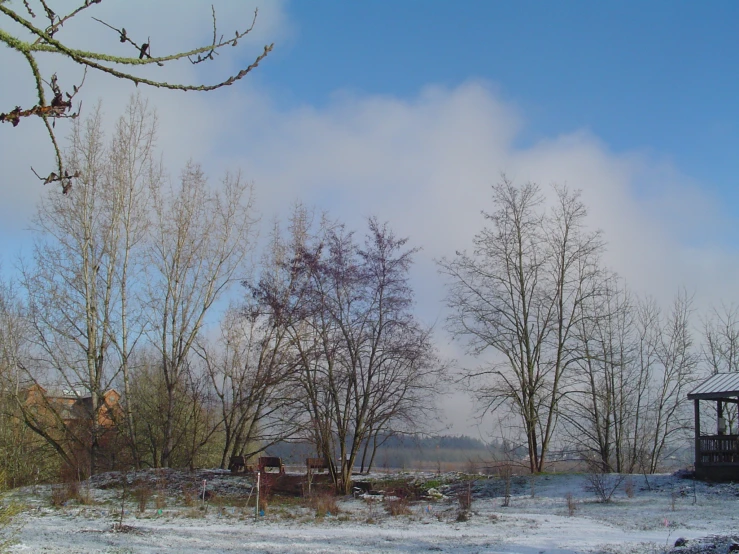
point(663, 508)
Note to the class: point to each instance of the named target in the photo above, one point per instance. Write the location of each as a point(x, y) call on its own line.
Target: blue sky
point(655, 76)
point(409, 110)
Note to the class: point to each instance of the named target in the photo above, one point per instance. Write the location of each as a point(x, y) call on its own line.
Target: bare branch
point(60, 106)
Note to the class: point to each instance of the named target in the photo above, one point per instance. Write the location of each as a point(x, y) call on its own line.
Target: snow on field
point(537, 520)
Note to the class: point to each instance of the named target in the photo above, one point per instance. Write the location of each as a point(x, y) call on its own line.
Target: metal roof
point(721, 385)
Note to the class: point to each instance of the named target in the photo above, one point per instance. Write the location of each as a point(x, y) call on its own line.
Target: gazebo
point(717, 453)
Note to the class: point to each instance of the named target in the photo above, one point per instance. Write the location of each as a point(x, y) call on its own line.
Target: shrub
point(603, 484)
point(8, 530)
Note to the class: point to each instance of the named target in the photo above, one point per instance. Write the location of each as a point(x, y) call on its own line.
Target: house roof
point(721, 385)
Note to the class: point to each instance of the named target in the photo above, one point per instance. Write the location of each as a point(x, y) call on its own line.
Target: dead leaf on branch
point(58, 108)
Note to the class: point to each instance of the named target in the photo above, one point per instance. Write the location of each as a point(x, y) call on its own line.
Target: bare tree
point(200, 242)
point(362, 360)
point(85, 257)
point(192, 424)
point(77, 286)
point(249, 370)
point(608, 399)
point(21, 34)
point(519, 294)
point(633, 414)
point(593, 409)
point(134, 173)
point(676, 362)
point(721, 339)
point(720, 350)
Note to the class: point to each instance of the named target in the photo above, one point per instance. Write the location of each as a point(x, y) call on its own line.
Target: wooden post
point(696, 405)
point(256, 507)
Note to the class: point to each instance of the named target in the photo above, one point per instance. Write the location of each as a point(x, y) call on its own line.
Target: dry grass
point(8, 529)
point(64, 493)
point(188, 497)
point(629, 487)
point(505, 473)
point(371, 509)
point(398, 507)
point(142, 494)
point(194, 513)
point(465, 497)
point(160, 500)
point(324, 504)
point(571, 504)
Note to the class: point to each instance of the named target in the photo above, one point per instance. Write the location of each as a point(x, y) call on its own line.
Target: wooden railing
point(718, 449)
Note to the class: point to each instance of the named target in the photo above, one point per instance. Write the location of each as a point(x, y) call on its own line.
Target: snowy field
point(649, 519)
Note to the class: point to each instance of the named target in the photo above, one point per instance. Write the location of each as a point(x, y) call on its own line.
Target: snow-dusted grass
point(658, 513)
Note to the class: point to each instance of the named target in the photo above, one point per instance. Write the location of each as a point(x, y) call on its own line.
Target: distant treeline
point(407, 452)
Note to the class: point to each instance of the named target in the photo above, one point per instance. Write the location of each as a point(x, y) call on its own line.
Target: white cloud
point(424, 164)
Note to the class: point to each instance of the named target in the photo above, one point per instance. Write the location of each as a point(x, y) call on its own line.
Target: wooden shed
point(716, 441)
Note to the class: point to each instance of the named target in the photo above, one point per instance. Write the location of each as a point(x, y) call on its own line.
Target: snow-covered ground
point(537, 520)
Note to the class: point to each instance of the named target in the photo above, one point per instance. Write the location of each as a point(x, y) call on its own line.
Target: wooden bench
point(312, 464)
point(237, 464)
point(316, 463)
point(270, 462)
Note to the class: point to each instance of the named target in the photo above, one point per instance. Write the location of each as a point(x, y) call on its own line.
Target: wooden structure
point(717, 449)
point(311, 465)
point(315, 463)
point(237, 464)
point(267, 463)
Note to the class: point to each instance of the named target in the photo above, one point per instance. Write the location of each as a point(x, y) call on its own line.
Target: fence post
point(256, 506)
